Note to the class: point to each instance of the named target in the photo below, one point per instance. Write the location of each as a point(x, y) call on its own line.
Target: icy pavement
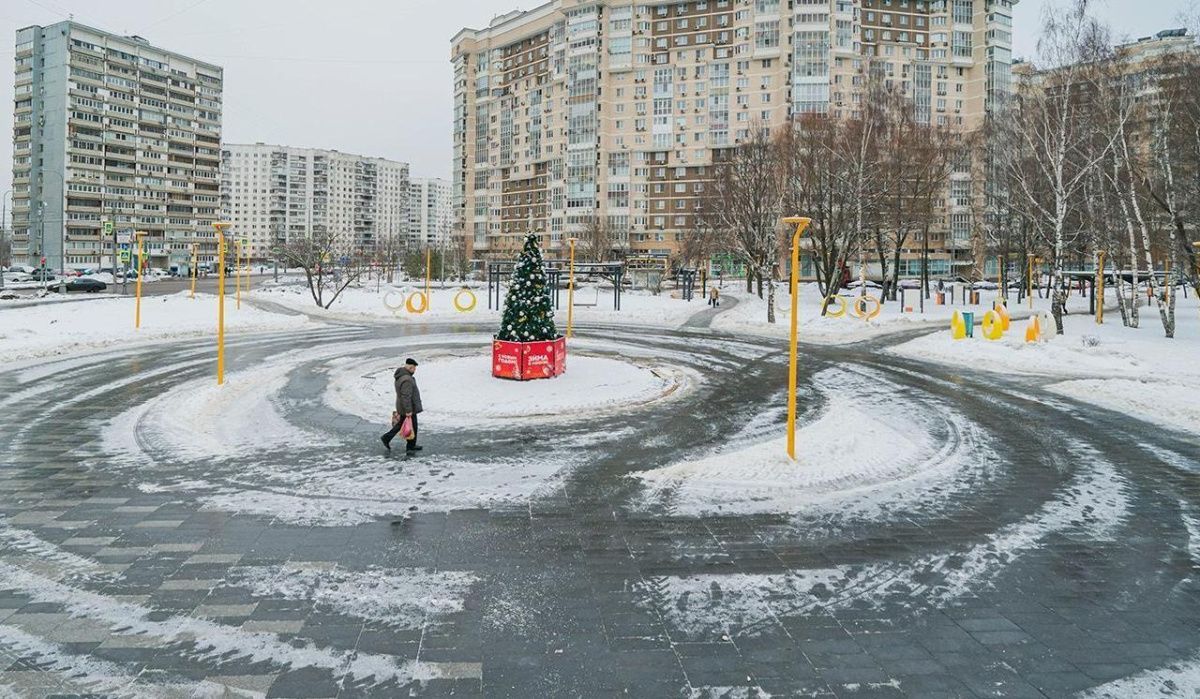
point(631, 530)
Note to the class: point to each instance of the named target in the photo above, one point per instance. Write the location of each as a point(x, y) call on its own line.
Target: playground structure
point(995, 323)
point(499, 272)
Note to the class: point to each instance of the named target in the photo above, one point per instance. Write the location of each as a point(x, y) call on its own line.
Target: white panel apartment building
point(272, 194)
point(580, 110)
point(111, 128)
point(430, 212)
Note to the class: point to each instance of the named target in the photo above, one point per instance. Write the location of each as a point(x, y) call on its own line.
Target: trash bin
point(940, 298)
point(969, 321)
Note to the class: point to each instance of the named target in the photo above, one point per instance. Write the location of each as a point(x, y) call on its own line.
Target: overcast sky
point(362, 76)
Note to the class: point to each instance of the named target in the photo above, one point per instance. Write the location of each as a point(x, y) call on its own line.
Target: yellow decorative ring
point(412, 307)
point(464, 308)
point(993, 325)
point(841, 303)
point(860, 307)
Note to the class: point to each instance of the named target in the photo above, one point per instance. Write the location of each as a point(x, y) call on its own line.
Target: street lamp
point(42, 242)
point(220, 226)
point(1032, 258)
point(801, 224)
point(571, 292)
point(3, 219)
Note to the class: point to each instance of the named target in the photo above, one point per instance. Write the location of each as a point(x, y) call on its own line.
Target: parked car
point(88, 284)
point(910, 283)
point(43, 275)
point(17, 277)
point(985, 285)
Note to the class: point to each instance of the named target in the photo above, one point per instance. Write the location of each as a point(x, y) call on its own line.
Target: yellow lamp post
point(195, 271)
point(1099, 292)
point(137, 308)
point(571, 292)
point(801, 224)
point(221, 226)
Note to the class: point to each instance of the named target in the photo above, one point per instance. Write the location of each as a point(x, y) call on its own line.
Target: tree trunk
point(770, 296)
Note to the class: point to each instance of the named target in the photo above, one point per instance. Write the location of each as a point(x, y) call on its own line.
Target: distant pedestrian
point(408, 406)
point(714, 297)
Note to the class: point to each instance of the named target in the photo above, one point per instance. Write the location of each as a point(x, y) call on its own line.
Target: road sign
point(124, 255)
point(124, 246)
point(124, 237)
point(108, 227)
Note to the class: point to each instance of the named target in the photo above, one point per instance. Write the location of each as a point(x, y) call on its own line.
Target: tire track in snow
point(1094, 503)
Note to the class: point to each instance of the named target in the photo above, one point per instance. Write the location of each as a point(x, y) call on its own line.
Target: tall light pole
point(793, 360)
point(571, 292)
point(220, 226)
point(42, 242)
point(3, 223)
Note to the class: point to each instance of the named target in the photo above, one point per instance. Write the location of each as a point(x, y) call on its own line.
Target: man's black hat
point(410, 361)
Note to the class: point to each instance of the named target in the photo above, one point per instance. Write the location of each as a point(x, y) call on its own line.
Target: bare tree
point(747, 193)
point(1049, 123)
point(815, 186)
point(599, 241)
point(329, 261)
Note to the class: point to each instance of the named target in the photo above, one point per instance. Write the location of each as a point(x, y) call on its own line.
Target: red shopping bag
point(406, 430)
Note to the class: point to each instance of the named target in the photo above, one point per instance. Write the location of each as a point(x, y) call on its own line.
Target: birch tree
point(1049, 123)
point(748, 204)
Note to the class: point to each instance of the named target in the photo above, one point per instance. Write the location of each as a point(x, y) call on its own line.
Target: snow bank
point(62, 328)
point(871, 449)
point(1136, 371)
point(750, 315)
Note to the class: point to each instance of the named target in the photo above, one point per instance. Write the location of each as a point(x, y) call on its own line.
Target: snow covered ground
point(388, 302)
point(1136, 371)
point(461, 391)
point(750, 314)
point(870, 450)
point(62, 328)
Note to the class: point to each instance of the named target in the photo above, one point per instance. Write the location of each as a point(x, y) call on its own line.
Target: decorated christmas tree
point(528, 308)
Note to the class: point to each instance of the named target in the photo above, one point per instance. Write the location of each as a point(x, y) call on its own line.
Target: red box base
point(525, 361)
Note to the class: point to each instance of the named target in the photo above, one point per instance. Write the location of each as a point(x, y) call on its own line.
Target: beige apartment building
point(109, 128)
point(611, 110)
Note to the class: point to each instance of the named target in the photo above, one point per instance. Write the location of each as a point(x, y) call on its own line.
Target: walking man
point(408, 405)
point(714, 297)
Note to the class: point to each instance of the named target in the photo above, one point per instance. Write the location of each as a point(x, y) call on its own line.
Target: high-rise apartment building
point(612, 110)
point(430, 212)
point(110, 128)
point(272, 194)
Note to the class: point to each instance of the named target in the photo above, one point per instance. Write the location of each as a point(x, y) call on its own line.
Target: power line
point(174, 14)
